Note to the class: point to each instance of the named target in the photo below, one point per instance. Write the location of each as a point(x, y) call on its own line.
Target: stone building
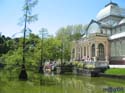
point(104, 39)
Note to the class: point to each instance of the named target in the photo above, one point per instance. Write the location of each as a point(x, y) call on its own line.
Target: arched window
point(93, 50)
point(84, 51)
point(81, 52)
point(78, 54)
point(93, 28)
point(112, 49)
point(101, 51)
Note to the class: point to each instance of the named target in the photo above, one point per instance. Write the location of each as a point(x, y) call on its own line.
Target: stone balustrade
point(101, 64)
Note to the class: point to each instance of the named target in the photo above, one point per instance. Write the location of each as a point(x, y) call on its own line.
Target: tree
point(67, 35)
point(43, 33)
point(52, 48)
point(28, 17)
point(4, 47)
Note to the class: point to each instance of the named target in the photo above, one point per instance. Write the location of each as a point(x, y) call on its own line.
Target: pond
point(38, 83)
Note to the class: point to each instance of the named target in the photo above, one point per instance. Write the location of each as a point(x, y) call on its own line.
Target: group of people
point(49, 66)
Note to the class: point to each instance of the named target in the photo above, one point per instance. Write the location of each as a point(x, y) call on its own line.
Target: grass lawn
point(116, 71)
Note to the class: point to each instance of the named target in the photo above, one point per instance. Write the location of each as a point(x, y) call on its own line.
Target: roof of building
point(110, 9)
point(116, 36)
point(101, 24)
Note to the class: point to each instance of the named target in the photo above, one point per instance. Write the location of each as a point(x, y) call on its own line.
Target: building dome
point(122, 21)
point(110, 9)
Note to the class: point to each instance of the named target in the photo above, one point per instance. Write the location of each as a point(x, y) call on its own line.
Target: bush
point(90, 66)
point(75, 63)
point(78, 64)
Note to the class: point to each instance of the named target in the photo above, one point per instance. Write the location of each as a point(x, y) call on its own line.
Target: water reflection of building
point(105, 37)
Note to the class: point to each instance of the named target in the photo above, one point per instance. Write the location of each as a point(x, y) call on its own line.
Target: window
point(108, 32)
point(113, 31)
point(93, 50)
point(81, 52)
point(118, 30)
point(104, 31)
point(123, 29)
point(112, 49)
point(93, 28)
point(120, 46)
point(123, 47)
point(84, 51)
point(101, 50)
point(117, 48)
point(73, 52)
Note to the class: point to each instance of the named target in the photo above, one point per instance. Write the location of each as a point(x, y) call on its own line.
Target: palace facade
point(104, 39)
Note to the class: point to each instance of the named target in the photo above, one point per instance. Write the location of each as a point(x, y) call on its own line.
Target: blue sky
point(52, 14)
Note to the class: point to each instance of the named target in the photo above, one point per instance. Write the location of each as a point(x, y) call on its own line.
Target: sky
point(52, 14)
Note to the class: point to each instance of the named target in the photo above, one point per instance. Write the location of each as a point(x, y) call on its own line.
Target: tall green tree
point(28, 17)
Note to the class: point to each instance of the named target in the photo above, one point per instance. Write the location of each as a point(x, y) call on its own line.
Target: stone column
point(82, 51)
point(79, 52)
point(96, 52)
point(75, 53)
point(86, 50)
point(90, 52)
point(71, 53)
point(106, 52)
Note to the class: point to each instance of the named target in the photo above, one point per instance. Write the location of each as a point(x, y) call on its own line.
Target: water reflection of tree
point(83, 85)
point(2, 85)
point(59, 84)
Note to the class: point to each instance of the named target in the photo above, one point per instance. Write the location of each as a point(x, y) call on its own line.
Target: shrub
point(90, 66)
point(75, 63)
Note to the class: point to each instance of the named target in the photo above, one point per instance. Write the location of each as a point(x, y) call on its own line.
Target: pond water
point(38, 83)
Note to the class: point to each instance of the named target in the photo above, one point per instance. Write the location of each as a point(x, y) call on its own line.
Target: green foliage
point(4, 47)
point(67, 35)
point(90, 66)
point(14, 56)
point(54, 48)
point(71, 32)
point(75, 63)
point(33, 55)
point(28, 16)
point(78, 64)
